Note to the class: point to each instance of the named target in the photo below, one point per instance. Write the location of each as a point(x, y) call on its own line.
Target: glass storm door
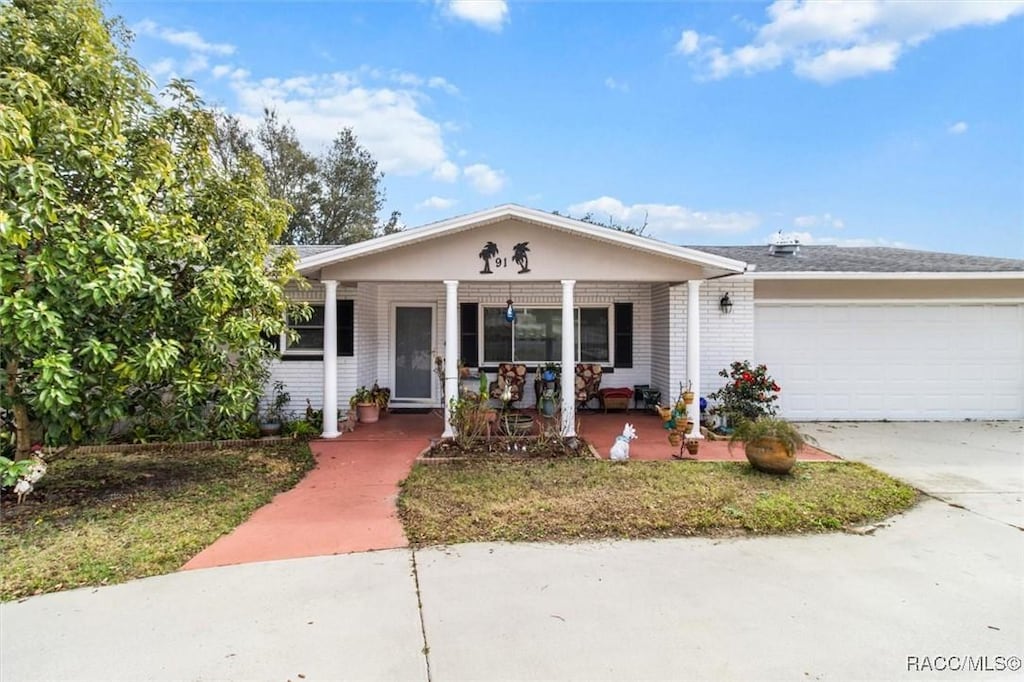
point(414, 332)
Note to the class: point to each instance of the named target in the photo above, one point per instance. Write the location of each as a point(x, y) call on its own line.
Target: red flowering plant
point(749, 392)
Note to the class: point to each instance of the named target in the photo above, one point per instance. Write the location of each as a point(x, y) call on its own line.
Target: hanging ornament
point(510, 312)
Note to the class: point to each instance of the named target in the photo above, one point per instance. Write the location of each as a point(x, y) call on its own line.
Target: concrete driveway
point(932, 594)
point(976, 465)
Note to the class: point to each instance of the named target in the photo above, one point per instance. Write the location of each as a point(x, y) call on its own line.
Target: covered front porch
point(513, 286)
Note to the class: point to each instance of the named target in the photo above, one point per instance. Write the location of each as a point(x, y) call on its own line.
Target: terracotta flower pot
point(768, 455)
point(368, 412)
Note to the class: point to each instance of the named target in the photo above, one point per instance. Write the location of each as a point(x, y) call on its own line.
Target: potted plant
point(688, 393)
point(550, 371)
point(547, 402)
point(770, 443)
point(272, 416)
point(381, 396)
point(365, 404)
point(748, 393)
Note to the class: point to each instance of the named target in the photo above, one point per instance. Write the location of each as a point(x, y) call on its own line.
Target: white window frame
point(484, 361)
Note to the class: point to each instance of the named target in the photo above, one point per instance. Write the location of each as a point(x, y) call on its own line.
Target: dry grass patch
point(562, 500)
point(103, 518)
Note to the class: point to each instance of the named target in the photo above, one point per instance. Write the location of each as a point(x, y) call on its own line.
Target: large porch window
point(536, 335)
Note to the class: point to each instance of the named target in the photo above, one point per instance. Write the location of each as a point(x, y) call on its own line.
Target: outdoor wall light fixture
point(725, 305)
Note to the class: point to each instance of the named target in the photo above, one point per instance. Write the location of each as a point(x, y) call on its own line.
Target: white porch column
point(568, 360)
point(693, 350)
point(451, 352)
point(330, 426)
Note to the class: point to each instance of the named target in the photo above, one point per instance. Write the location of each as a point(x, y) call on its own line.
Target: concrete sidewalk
point(937, 581)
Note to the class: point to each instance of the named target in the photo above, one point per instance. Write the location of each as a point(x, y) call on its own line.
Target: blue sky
point(859, 123)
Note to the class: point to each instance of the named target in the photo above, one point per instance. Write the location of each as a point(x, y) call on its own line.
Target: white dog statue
point(620, 448)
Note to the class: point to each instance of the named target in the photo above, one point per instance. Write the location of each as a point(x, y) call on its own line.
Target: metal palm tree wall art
point(519, 252)
point(520, 256)
point(489, 251)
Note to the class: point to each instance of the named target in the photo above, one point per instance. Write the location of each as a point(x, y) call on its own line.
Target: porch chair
point(509, 375)
point(588, 383)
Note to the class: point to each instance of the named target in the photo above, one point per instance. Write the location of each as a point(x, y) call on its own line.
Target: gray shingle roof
point(306, 250)
point(825, 258)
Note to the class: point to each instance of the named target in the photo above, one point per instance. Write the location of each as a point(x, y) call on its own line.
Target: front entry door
point(414, 337)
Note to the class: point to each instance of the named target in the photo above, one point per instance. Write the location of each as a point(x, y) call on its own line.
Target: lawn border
point(184, 445)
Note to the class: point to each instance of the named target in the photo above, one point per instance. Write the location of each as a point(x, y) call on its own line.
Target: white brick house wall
point(661, 349)
point(367, 339)
point(659, 331)
point(725, 338)
point(304, 379)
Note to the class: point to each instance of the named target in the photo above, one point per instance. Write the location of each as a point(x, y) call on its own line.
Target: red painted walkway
point(347, 503)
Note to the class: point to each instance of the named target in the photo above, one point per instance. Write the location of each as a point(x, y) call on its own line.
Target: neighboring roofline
point(459, 223)
point(828, 274)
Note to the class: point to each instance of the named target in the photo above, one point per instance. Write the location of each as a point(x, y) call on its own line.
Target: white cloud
point(837, 64)
point(613, 84)
point(689, 42)
point(824, 220)
point(195, 63)
point(958, 128)
point(436, 203)
point(488, 14)
point(439, 83)
point(665, 220)
point(220, 70)
point(387, 121)
point(162, 68)
point(484, 179)
point(831, 41)
point(446, 171)
point(187, 39)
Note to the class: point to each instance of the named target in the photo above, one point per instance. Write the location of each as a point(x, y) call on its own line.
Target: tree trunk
point(22, 437)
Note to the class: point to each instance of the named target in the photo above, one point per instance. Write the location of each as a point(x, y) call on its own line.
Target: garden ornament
point(27, 481)
point(620, 448)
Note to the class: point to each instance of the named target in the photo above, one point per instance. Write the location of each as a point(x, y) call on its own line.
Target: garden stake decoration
point(674, 421)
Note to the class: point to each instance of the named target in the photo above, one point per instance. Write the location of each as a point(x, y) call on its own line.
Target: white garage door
point(894, 361)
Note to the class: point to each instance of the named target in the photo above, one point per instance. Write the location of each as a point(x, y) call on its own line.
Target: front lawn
point(559, 500)
point(105, 518)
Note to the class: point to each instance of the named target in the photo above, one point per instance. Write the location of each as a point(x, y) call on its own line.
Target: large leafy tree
point(336, 197)
point(352, 195)
point(137, 272)
point(292, 175)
